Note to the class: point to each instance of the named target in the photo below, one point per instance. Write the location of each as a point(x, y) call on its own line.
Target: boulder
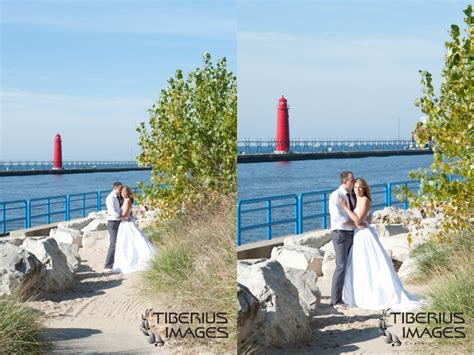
point(19, 269)
point(95, 226)
point(309, 294)
point(397, 247)
point(96, 240)
point(329, 264)
point(77, 224)
point(249, 314)
point(409, 270)
point(67, 235)
point(98, 215)
point(328, 247)
point(72, 255)
point(56, 275)
point(314, 239)
point(284, 320)
point(16, 241)
point(299, 257)
point(387, 230)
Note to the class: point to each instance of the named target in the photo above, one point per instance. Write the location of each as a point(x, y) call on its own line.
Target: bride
point(370, 280)
point(133, 249)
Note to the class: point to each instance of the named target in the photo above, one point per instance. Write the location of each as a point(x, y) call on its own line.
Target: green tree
point(190, 142)
point(449, 129)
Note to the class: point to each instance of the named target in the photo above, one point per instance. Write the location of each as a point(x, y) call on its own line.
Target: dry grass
point(21, 329)
point(449, 267)
point(196, 263)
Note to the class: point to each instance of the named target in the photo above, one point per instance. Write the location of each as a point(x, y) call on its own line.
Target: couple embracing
point(364, 276)
point(129, 249)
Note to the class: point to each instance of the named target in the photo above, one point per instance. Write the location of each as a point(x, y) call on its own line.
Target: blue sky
point(349, 69)
point(91, 69)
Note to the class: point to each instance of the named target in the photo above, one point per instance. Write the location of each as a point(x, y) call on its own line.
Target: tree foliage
point(449, 129)
point(190, 142)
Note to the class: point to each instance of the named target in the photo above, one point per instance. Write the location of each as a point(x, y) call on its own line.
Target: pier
point(21, 168)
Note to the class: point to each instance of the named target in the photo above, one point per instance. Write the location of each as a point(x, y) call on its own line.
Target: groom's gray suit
point(342, 238)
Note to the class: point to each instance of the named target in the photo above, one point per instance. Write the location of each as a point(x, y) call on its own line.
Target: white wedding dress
point(370, 280)
point(133, 250)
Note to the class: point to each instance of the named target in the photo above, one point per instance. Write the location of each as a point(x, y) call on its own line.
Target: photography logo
point(181, 325)
point(420, 326)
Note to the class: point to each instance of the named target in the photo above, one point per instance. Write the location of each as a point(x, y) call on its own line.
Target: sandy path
point(347, 330)
point(101, 314)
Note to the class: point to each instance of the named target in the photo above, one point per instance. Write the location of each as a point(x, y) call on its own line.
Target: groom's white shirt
point(339, 217)
point(113, 207)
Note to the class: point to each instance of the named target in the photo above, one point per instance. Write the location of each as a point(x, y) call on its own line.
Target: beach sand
point(101, 314)
point(348, 330)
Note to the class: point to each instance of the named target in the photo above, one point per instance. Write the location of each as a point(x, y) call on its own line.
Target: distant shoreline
point(68, 171)
point(265, 158)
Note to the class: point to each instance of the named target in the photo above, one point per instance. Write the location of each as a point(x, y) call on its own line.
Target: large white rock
point(397, 246)
point(56, 276)
point(17, 241)
point(387, 230)
point(329, 264)
point(309, 294)
point(315, 239)
point(95, 226)
point(72, 255)
point(98, 215)
point(19, 269)
point(285, 322)
point(75, 223)
point(96, 240)
point(249, 315)
point(409, 270)
point(67, 235)
point(328, 247)
point(299, 257)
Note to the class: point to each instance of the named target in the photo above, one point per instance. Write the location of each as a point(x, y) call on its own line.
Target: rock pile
point(48, 263)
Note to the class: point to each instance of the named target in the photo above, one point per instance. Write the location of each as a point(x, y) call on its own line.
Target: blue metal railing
point(311, 206)
point(269, 206)
point(44, 210)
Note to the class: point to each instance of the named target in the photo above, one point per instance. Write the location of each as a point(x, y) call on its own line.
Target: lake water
point(295, 177)
point(34, 186)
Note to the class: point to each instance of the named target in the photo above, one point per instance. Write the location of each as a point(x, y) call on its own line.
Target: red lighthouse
point(58, 156)
point(283, 128)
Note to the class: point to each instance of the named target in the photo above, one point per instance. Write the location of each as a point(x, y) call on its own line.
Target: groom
point(113, 202)
point(342, 232)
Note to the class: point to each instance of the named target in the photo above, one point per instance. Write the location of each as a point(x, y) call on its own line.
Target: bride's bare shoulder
point(364, 199)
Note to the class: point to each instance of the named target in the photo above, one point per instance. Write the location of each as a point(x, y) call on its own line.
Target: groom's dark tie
point(351, 205)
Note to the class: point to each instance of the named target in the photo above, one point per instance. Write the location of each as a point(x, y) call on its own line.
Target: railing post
point(269, 220)
point(239, 206)
point(83, 205)
point(4, 219)
point(48, 211)
point(300, 214)
point(28, 214)
point(68, 207)
point(389, 195)
point(296, 214)
point(325, 211)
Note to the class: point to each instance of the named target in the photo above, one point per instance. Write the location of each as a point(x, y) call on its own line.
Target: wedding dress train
point(133, 250)
point(370, 280)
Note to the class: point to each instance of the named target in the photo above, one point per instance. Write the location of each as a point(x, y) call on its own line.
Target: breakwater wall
point(68, 171)
point(265, 158)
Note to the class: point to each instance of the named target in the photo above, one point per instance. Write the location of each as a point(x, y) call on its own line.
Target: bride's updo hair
point(129, 192)
point(365, 187)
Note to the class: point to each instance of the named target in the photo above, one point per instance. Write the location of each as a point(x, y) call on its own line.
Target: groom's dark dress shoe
point(338, 305)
